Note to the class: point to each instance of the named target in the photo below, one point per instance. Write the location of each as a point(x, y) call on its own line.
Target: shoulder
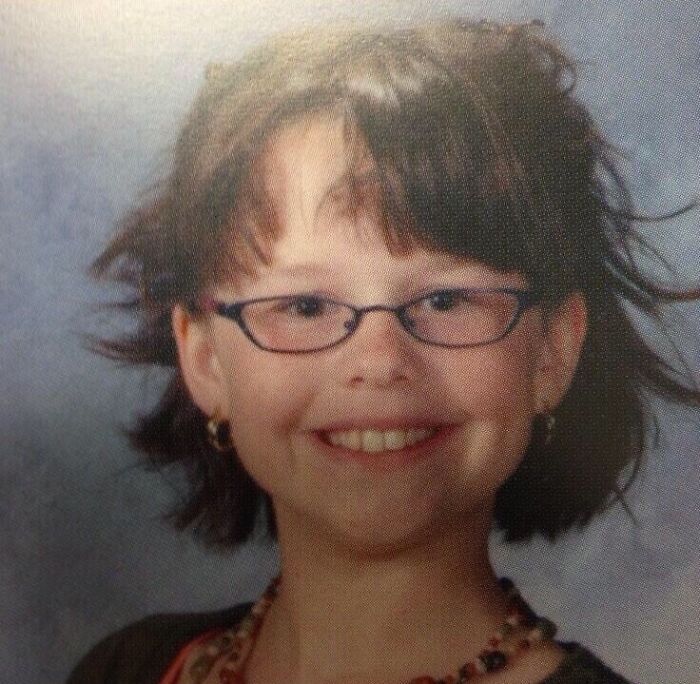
point(140, 652)
point(581, 666)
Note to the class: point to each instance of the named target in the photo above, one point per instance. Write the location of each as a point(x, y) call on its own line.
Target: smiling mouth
point(376, 441)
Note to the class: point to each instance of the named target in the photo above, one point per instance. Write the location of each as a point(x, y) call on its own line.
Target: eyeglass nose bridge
point(359, 314)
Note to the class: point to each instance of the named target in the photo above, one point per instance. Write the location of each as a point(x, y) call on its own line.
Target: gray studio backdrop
point(91, 94)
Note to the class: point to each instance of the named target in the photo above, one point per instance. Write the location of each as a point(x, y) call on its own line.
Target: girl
point(387, 271)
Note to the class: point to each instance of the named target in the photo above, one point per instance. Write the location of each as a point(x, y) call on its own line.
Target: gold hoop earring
point(218, 433)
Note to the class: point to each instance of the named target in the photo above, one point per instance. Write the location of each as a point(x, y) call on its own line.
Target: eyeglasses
point(297, 324)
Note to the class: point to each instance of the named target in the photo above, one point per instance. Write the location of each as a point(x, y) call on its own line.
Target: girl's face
point(278, 404)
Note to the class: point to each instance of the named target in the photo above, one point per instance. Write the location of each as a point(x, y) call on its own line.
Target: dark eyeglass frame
point(233, 311)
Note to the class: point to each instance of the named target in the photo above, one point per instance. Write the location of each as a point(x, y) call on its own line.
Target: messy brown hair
point(480, 149)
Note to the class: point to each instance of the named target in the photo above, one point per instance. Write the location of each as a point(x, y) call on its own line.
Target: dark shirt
point(141, 652)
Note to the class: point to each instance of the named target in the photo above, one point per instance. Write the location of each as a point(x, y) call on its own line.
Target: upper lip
point(382, 424)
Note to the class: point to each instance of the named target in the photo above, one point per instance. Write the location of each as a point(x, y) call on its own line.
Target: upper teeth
point(375, 440)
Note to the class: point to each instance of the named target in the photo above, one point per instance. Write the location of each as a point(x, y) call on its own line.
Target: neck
point(341, 614)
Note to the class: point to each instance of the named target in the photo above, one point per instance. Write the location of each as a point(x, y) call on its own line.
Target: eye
point(305, 306)
point(444, 300)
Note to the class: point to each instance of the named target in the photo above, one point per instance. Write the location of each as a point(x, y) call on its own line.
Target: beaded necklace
point(497, 653)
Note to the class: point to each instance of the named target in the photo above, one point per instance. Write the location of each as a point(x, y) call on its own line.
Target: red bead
point(230, 677)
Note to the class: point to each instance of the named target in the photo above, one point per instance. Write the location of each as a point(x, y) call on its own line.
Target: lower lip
point(387, 459)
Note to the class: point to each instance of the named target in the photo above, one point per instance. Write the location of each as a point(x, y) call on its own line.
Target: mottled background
point(91, 94)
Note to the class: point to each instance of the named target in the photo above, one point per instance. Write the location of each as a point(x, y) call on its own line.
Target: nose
point(380, 351)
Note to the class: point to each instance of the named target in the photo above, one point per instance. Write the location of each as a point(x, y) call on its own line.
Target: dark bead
point(547, 627)
point(505, 583)
point(528, 615)
point(493, 660)
point(467, 672)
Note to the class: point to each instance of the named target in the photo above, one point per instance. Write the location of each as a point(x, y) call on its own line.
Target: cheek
point(495, 392)
point(497, 381)
point(259, 417)
point(265, 400)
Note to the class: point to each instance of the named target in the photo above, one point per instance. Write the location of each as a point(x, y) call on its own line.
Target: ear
point(564, 331)
point(199, 365)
